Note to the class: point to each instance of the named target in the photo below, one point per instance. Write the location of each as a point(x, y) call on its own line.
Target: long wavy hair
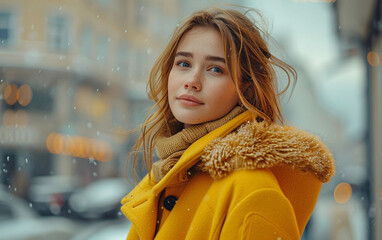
point(249, 63)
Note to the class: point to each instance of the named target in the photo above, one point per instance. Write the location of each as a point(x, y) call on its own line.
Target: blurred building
point(304, 109)
point(359, 30)
point(72, 82)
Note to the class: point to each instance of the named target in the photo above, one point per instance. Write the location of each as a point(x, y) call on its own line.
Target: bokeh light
point(24, 95)
point(10, 94)
point(98, 107)
point(78, 146)
point(342, 192)
point(373, 58)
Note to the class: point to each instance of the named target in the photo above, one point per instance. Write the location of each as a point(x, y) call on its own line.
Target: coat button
point(169, 202)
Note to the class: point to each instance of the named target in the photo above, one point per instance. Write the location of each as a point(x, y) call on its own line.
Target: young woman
point(228, 168)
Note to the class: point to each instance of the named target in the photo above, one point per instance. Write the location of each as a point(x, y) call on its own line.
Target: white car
point(110, 230)
point(18, 221)
point(100, 199)
point(49, 194)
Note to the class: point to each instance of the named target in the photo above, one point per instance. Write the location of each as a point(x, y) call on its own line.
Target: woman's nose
point(193, 83)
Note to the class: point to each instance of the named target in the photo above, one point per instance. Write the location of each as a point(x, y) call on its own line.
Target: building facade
point(360, 33)
point(72, 83)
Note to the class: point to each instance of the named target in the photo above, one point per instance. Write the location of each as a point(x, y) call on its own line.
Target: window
point(86, 41)
point(58, 33)
point(140, 65)
point(122, 58)
point(43, 100)
point(5, 212)
point(140, 12)
point(5, 29)
point(102, 49)
point(103, 3)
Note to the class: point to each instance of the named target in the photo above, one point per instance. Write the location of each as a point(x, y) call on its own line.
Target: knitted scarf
point(170, 149)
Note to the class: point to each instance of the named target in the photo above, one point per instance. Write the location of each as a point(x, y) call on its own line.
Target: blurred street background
point(72, 84)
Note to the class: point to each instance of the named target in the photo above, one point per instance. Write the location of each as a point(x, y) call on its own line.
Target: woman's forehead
point(202, 39)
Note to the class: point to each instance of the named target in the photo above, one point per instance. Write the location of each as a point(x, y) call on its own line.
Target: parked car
point(100, 199)
point(49, 194)
point(110, 230)
point(19, 221)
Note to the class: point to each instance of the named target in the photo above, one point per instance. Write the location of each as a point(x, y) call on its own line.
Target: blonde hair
point(249, 64)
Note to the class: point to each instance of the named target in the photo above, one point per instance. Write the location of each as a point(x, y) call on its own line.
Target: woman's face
point(199, 87)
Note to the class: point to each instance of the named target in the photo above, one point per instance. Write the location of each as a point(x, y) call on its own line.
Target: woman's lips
point(189, 100)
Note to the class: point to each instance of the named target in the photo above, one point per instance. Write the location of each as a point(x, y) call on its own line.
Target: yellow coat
point(252, 183)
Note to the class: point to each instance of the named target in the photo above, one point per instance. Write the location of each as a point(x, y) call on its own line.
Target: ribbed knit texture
point(170, 149)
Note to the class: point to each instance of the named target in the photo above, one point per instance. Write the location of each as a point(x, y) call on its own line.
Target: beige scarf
point(170, 149)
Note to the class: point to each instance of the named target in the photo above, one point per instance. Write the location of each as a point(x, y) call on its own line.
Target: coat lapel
point(140, 207)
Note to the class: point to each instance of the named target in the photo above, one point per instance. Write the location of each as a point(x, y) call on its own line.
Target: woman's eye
point(216, 69)
point(183, 64)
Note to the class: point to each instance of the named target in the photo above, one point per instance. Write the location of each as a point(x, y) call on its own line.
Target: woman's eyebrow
point(216, 59)
point(184, 54)
point(209, 58)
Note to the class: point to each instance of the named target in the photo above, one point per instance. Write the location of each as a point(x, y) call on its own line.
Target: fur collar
point(253, 145)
